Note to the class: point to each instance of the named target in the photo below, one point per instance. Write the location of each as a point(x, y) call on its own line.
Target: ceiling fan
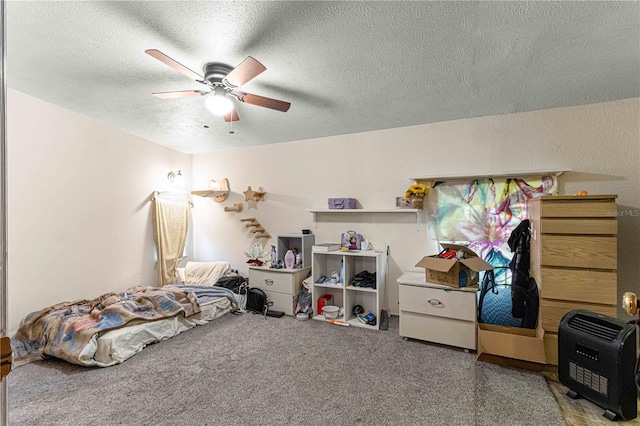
point(221, 81)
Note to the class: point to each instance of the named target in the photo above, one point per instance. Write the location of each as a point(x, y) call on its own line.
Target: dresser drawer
point(580, 251)
point(281, 302)
point(579, 207)
point(552, 312)
point(438, 302)
point(271, 281)
point(582, 285)
point(602, 226)
point(439, 330)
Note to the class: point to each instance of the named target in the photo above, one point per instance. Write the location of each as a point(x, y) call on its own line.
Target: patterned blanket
point(63, 330)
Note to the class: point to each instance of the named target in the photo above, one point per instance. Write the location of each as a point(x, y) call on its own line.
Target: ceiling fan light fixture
point(221, 81)
point(218, 105)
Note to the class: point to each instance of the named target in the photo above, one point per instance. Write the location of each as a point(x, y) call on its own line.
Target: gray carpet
point(245, 370)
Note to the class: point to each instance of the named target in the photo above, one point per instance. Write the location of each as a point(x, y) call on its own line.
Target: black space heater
point(596, 360)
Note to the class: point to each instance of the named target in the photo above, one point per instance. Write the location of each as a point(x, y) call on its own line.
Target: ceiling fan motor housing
point(215, 72)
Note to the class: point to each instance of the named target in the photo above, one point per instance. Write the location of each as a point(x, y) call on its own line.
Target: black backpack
point(257, 301)
point(235, 283)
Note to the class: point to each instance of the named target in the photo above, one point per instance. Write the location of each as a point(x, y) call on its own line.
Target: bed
point(113, 327)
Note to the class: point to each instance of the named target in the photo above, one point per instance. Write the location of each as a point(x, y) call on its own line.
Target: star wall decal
point(249, 194)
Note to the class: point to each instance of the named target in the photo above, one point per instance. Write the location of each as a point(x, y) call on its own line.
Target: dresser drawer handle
point(268, 281)
point(436, 303)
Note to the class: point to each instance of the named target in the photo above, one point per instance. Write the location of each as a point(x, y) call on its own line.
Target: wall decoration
point(415, 195)
point(255, 227)
point(481, 214)
point(251, 195)
point(237, 207)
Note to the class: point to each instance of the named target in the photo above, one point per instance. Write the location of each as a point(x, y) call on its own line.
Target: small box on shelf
point(342, 203)
point(324, 247)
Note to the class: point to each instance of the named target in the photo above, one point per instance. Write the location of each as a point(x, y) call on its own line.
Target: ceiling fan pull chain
point(206, 118)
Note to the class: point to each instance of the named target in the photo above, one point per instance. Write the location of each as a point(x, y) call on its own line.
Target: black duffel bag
point(257, 300)
point(235, 283)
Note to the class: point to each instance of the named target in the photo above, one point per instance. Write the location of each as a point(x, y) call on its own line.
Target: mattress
point(116, 346)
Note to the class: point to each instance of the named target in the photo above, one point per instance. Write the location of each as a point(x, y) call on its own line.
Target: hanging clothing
point(171, 217)
point(519, 265)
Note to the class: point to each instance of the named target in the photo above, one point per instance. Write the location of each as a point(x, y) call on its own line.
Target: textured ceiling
point(345, 66)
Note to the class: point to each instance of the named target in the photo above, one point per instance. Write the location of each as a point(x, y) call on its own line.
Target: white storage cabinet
point(344, 294)
point(280, 285)
point(437, 313)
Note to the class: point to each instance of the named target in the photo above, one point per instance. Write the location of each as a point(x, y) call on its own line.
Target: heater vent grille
point(600, 329)
point(588, 378)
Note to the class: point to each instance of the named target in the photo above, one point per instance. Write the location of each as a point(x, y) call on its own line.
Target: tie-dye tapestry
point(481, 214)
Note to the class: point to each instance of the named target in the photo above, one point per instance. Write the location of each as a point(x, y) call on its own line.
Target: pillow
point(181, 275)
point(205, 273)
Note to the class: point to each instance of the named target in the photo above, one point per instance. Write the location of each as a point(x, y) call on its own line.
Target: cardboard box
point(512, 342)
point(452, 272)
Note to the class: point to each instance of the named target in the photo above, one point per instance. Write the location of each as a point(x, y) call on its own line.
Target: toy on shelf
point(218, 191)
point(251, 195)
point(256, 228)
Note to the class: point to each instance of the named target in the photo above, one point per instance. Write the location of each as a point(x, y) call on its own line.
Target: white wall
point(79, 208)
point(79, 191)
point(600, 143)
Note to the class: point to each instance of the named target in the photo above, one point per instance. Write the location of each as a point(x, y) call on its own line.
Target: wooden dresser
point(574, 258)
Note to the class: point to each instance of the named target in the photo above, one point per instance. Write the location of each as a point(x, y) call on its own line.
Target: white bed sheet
point(116, 346)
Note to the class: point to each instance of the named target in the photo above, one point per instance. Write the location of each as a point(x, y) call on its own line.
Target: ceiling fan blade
point(263, 102)
point(244, 72)
point(231, 116)
point(178, 94)
point(173, 64)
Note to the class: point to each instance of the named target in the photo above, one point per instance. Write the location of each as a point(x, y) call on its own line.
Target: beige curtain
point(171, 217)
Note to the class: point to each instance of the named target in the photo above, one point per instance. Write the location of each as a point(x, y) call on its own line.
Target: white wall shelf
point(434, 181)
point(363, 211)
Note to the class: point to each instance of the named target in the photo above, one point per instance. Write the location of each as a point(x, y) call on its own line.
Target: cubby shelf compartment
point(300, 242)
point(364, 289)
point(329, 285)
point(347, 296)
